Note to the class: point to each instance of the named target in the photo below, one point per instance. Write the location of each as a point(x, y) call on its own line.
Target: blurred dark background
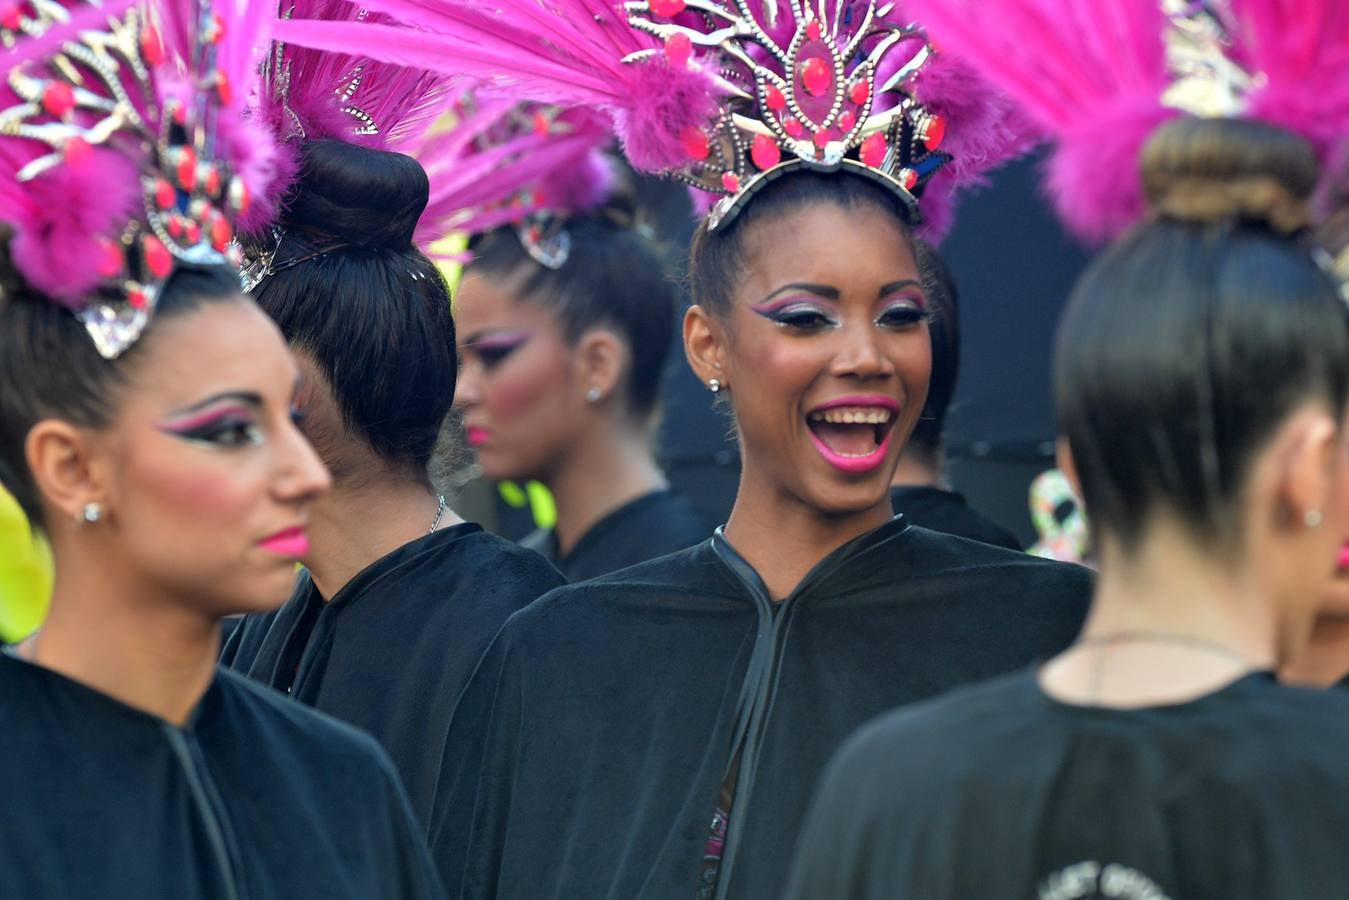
point(1014, 266)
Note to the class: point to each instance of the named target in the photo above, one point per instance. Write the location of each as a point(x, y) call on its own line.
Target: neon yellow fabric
point(25, 573)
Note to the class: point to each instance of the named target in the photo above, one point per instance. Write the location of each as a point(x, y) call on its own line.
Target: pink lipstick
point(853, 433)
point(293, 543)
point(476, 436)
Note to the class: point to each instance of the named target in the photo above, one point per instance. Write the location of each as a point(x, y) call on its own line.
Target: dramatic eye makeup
point(491, 348)
point(799, 306)
point(904, 305)
point(225, 420)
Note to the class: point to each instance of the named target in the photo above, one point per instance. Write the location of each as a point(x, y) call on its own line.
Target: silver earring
point(714, 386)
point(593, 395)
point(1312, 518)
point(92, 512)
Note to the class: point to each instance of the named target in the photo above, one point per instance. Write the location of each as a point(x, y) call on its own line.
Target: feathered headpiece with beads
point(124, 149)
point(1101, 77)
point(728, 94)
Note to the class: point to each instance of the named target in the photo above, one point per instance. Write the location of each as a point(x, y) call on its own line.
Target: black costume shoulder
point(255, 797)
point(588, 753)
point(949, 513)
point(391, 652)
point(1000, 793)
point(651, 526)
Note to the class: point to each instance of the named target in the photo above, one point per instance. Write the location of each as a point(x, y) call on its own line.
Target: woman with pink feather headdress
point(655, 733)
point(398, 596)
point(1202, 381)
point(565, 319)
point(147, 428)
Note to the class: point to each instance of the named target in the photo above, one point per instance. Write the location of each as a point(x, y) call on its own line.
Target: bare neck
point(783, 538)
point(115, 636)
point(1168, 624)
point(609, 469)
point(920, 469)
point(358, 523)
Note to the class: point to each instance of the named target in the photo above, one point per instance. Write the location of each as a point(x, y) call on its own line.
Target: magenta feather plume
point(1088, 74)
point(82, 16)
point(568, 53)
point(1300, 48)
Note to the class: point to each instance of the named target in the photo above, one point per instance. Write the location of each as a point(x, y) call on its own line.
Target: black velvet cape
point(256, 798)
point(1001, 793)
point(392, 650)
point(588, 753)
point(949, 513)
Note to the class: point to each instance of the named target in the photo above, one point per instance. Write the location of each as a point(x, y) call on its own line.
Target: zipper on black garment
point(207, 801)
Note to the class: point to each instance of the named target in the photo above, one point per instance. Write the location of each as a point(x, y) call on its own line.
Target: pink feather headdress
point(123, 149)
point(1101, 77)
point(728, 95)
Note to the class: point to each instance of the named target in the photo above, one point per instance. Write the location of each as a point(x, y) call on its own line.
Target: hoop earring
point(91, 513)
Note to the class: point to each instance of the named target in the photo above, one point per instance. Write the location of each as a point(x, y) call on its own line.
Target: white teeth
point(852, 415)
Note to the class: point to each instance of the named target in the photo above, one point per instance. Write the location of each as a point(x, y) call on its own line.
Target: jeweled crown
point(824, 86)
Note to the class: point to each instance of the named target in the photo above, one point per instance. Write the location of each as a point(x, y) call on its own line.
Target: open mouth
point(853, 437)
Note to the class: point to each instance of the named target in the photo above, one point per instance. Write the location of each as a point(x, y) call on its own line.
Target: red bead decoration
point(872, 151)
point(58, 98)
point(908, 178)
point(175, 227)
point(223, 88)
point(137, 299)
point(152, 48)
point(193, 232)
point(821, 138)
point(165, 195)
point(77, 150)
point(110, 259)
point(667, 9)
point(696, 144)
point(179, 114)
point(765, 152)
point(541, 125)
point(847, 120)
point(817, 76)
point(10, 17)
point(216, 30)
point(935, 132)
point(773, 97)
point(221, 233)
point(186, 169)
point(678, 49)
point(730, 182)
point(859, 92)
point(813, 29)
point(794, 128)
point(157, 258)
point(212, 181)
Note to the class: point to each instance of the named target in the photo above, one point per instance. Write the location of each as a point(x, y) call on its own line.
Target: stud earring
point(714, 386)
point(92, 512)
point(593, 395)
point(1312, 518)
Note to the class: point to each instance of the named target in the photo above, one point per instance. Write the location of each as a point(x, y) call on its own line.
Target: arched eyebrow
point(893, 286)
point(247, 398)
point(820, 290)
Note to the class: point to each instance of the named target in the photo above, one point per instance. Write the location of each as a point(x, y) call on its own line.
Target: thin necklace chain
point(1151, 637)
point(440, 512)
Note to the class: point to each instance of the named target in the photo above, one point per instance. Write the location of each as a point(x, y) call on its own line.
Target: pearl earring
point(1312, 518)
point(714, 386)
point(92, 512)
point(593, 395)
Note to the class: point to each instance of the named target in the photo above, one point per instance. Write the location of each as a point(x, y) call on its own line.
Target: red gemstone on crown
point(908, 178)
point(58, 98)
point(935, 132)
point(193, 232)
point(152, 49)
point(847, 120)
point(10, 17)
point(765, 152)
point(667, 9)
point(157, 258)
point(872, 151)
point(175, 227)
point(821, 138)
point(110, 259)
point(77, 150)
point(730, 182)
point(223, 88)
point(221, 233)
point(773, 97)
point(212, 181)
point(165, 195)
point(540, 124)
point(813, 29)
point(859, 92)
point(678, 49)
point(817, 76)
point(137, 299)
point(794, 128)
point(696, 144)
point(186, 169)
point(179, 114)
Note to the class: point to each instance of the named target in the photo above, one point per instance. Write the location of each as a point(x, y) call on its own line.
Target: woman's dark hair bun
point(1205, 171)
point(363, 197)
